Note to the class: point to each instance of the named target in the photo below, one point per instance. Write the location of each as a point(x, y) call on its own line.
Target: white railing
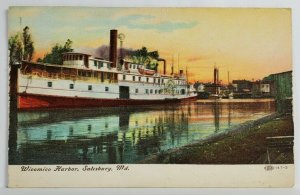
point(67, 77)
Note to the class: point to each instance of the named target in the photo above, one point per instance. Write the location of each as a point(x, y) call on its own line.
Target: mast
point(178, 64)
point(121, 37)
point(187, 80)
point(172, 67)
point(186, 72)
point(20, 25)
point(218, 81)
point(228, 77)
point(215, 78)
point(20, 37)
point(218, 76)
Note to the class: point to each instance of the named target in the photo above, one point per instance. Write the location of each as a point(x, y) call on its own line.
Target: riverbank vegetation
point(248, 146)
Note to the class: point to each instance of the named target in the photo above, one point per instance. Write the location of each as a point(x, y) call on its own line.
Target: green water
point(122, 135)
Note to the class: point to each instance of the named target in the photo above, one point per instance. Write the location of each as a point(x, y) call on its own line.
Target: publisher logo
point(269, 168)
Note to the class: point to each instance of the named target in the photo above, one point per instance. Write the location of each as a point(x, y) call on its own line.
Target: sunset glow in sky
point(249, 43)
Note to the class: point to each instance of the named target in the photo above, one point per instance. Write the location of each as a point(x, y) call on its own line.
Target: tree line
point(21, 47)
point(143, 56)
point(56, 54)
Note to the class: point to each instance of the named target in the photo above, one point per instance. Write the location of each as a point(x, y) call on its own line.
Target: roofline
point(99, 58)
point(67, 66)
point(102, 60)
point(76, 53)
point(96, 58)
point(111, 71)
point(282, 72)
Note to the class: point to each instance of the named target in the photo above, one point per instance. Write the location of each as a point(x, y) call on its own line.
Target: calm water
point(122, 135)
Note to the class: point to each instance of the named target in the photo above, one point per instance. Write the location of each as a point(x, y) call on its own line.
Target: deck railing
point(72, 77)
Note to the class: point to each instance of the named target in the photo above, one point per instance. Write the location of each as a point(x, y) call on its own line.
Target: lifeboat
point(146, 71)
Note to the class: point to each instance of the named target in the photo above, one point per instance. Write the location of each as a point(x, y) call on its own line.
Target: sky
point(249, 43)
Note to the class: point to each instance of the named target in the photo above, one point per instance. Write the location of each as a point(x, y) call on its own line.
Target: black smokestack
point(181, 72)
point(164, 61)
point(113, 47)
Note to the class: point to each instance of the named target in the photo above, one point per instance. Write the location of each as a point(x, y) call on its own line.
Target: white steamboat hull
point(36, 92)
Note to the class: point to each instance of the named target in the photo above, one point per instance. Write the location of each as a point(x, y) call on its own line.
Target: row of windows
point(140, 79)
point(102, 75)
point(151, 91)
point(156, 91)
point(98, 64)
point(147, 91)
point(71, 86)
point(73, 57)
point(155, 80)
point(133, 66)
point(265, 86)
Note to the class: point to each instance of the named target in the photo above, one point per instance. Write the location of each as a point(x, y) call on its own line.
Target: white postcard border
point(217, 3)
point(151, 175)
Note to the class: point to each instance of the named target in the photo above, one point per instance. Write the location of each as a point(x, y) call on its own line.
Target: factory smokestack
point(215, 75)
point(113, 47)
point(216, 79)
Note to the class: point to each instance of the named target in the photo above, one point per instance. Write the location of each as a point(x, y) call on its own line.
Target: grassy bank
point(247, 145)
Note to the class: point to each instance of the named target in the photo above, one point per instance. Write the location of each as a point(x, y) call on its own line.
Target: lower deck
point(34, 101)
point(37, 92)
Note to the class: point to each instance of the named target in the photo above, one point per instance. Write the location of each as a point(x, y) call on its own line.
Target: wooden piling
point(13, 111)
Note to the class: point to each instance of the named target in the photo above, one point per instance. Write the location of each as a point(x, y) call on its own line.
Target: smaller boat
point(146, 71)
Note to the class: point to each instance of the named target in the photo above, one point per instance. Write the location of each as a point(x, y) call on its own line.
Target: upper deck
point(86, 61)
point(80, 66)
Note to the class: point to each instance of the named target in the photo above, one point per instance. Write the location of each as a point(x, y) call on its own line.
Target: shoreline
point(177, 155)
point(248, 100)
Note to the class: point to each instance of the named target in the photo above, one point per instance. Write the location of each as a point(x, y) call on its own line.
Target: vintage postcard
point(150, 97)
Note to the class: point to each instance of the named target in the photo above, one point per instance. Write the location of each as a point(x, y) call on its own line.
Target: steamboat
point(86, 81)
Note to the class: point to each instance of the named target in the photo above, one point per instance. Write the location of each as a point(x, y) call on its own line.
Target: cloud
point(92, 28)
point(23, 11)
point(145, 22)
point(197, 58)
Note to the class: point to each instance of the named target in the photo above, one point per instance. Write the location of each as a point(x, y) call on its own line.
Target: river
point(123, 135)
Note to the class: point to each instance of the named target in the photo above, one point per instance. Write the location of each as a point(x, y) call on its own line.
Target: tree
point(39, 60)
point(142, 56)
point(28, 45)
point(20, 47)
point(68, 46)
point(15, 49)
point(56, 55)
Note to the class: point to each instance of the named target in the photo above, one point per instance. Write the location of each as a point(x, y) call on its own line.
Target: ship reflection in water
point(122, 135)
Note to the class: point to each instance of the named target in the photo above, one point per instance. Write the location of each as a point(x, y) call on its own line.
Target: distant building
point(242, 88)
point(231, 87)
point(256, 92)
point(211, 88)
point(242, 85)
point(282, 90)
point(265, 88)
point(200, 87)
point(262, 88)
